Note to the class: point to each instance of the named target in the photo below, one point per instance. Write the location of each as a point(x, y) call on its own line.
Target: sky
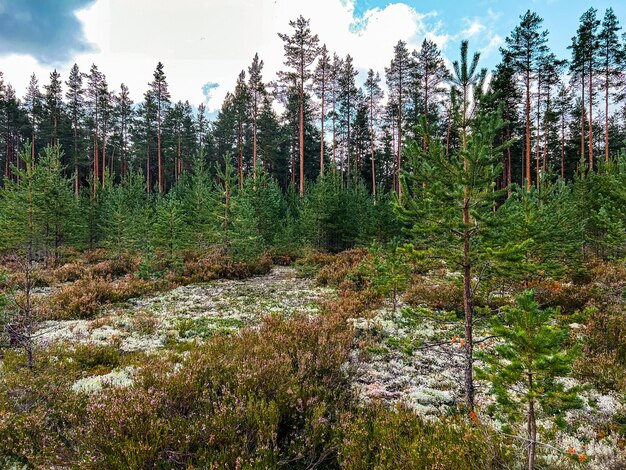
point(204, 44)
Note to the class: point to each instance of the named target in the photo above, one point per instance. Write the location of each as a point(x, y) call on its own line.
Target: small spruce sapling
point(524, 367)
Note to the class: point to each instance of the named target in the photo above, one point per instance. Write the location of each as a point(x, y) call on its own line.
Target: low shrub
point(217, 265)
point(377, 437)
point(115, 267)
point(442, 295)
point(603, 362)
point(83, 298)
point(341, 266)
point(70, 272)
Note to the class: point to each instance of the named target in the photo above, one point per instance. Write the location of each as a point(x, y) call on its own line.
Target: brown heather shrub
point(603, 361)
point(70, 272)
point(570, 297)
point(440, 295)
point(83, 298)
point(115, 267)
point(611, 274)
point(39, 277)
point(312, 261)
point(217, 265)
point(95, 256)
point(341, 266)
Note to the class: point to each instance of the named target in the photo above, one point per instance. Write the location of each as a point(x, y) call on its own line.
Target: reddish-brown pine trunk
point(582, 118)
point(467, 308)
point(590, 116)
point(322, 133)
point(527, 83)
point(606, 112)
point(544, 164)
point(104, 151)
point(160, 168)
point(148, 172)
point(96, 158)
point(301, 130)
point(399, 139)
point(563, 145)
point(425, 143)
point(537, 166)
point(239, 143)
point(372, 145)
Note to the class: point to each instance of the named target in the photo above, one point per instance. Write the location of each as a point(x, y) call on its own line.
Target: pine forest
point(421, 266)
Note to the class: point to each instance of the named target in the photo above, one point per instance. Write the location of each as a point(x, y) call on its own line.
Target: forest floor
point(398, 355)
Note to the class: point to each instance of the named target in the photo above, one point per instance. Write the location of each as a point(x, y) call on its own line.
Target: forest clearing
point(325, 271)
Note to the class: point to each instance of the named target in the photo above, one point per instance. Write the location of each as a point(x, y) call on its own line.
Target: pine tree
point(398, 83)
point(524, 365)
point(612, 66)
point(160, 92)
point(53, 102)
point(373, 95)
point(584, 61)
point(448, 204)
point(526, 45)
point(321, 79)
point(123, 115)
point(202, 125)
point(348, 103)
point(468, 80)
point(34, 105)
point(106, 111)
point(256, 88)
point(429, 77)
point(75, 97)
point(241, 107)
point(335, 73)
point(94, 102)
point(301, 50)
point(563, 105)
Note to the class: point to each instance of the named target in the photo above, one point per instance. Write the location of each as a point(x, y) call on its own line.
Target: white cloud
point(212, 41)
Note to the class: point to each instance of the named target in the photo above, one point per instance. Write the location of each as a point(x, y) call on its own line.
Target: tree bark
point(468, 309)
point(527, 84)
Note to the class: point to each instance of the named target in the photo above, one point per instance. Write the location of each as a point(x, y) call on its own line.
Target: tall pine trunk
point(159, 169)
point(468, 308)
point(527, 84)
point(606, 112)
point(590, 115)
point(322, 131)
